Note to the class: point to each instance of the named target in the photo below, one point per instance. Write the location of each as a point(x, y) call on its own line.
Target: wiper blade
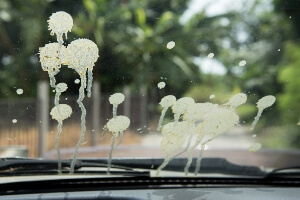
point(286, 172)
point(28, 166)
point(208, 165)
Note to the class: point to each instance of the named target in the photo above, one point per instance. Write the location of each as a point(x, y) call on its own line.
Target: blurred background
point(132, 36)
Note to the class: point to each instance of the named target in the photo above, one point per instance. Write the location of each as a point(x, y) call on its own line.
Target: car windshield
point(110, 79)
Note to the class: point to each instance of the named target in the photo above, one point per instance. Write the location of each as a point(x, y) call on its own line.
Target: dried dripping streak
point(198, 162)
point(52, 80)
point(121, 138)
point(256, 119)
point(59, 126)
point(59, 130)
point(189, 162)
point(90, 82)
point(163, 113)
point(166, 161)
point(186, 148)
point(83, 115)
point(115, 107)
point(113, 140)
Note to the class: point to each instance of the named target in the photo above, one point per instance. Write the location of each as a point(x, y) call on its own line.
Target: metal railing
point(36, 130)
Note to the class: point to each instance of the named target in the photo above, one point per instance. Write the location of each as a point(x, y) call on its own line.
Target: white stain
point(211, 55)
point(171, 45)
point(19, 91)
point(242, 63)
point(77, 81)
point(262, 104)
point(161, 85)
point(61, 112)
point(255, 147)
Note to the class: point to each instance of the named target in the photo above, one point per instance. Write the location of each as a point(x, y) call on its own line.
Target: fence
point(37, 131)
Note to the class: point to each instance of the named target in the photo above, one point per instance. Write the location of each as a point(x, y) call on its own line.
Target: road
point(236, 138)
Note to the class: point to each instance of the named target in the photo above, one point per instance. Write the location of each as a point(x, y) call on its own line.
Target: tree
point(23, 29)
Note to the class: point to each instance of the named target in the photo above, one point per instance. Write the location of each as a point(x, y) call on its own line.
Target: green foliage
point(290, 11)
point(280, 137)
point(289, 76)
point(213, 85)
point(131, 36)
point(134, 35)
point(247, 112)
point(23, 29)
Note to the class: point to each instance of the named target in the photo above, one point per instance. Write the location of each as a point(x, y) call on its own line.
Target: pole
point(42, 116)
point(127, 103)
point(96, 112)
point(143, 108)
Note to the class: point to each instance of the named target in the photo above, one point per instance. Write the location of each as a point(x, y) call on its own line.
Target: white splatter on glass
point(255, 147)
point(211, 55)
point(262, 104)
point(242, 63)
point(171, 45)
point(212, 96)
point(165, 102)
point(19, 91)
point(161, 85)
point(80, 55)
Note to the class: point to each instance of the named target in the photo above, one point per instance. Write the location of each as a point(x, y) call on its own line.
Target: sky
point(213, 8)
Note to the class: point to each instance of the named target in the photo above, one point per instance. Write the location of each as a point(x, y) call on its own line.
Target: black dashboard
point(272, 193)
point(150, 188)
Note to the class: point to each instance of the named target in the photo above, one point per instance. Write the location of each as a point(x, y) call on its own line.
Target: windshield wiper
point(286, 172)
point(28, 166)
point(208, 165)
point(16, 166)
point(23, 166)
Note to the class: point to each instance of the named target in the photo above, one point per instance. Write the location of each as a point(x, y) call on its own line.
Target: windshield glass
point(151, 79)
